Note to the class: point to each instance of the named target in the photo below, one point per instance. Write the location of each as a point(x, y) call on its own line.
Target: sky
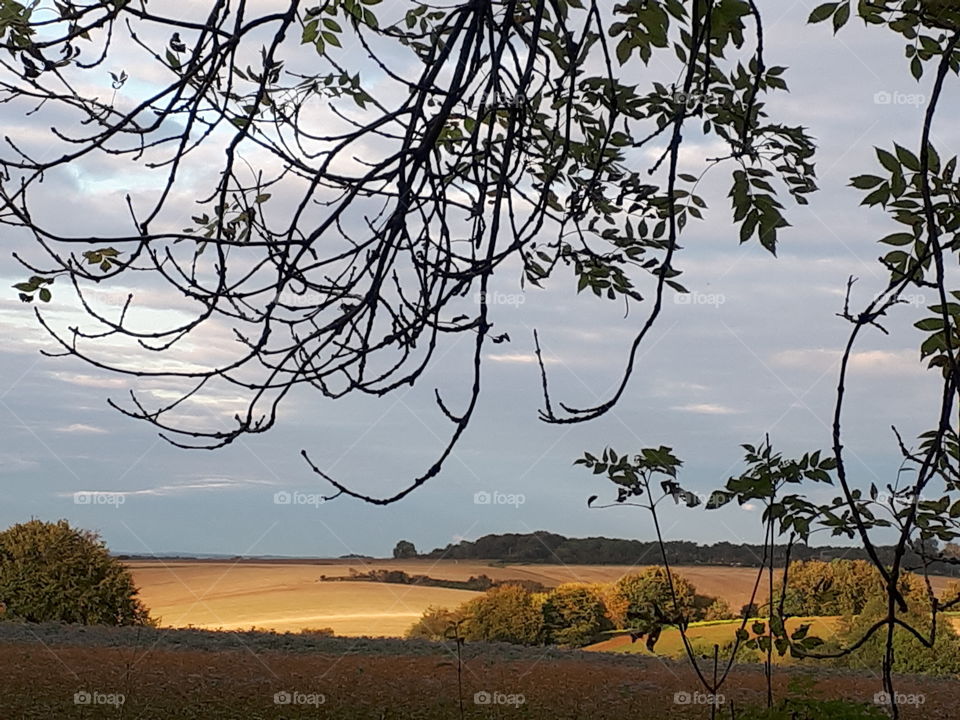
point(752, 351)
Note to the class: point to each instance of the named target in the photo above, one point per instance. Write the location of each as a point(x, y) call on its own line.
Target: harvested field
point(290, 596)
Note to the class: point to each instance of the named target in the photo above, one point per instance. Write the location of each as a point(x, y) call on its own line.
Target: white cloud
point(81, 428)
point(873, 362)
point(213, 483)
point(706, 409)
point(523, 358)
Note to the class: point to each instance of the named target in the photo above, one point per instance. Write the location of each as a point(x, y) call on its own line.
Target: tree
point(436, 623)
point(574, 614)
point(51, 572)
point(404, 550)
point(653, 599)
point(506, 613)
point(356, 224)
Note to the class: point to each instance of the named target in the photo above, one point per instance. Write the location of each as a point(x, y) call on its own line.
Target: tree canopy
point(349, 218)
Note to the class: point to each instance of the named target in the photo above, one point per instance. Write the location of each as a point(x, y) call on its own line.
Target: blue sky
point(756, 354)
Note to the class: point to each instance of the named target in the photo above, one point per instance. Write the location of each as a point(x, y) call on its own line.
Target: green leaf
point(888, 160)
point(822, 12)
point(45, 295)
point(865, 182)
point(841, 17)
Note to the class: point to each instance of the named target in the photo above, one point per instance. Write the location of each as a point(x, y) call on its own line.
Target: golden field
point(289, 596)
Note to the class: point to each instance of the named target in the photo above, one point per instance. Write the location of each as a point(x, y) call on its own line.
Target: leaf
point(45, 295)
point(865, 182)
point(841, 17)
point(888, 160)
point(822, 12)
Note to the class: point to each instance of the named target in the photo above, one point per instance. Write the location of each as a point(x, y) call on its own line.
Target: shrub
point(435, 623)
point(506, 613)
point(838, 587)
point(910, 655)
point(649, 602)
point(573, 614)
point(318, 632)
point(806, 709)
point(718, 610)
point(51, 572)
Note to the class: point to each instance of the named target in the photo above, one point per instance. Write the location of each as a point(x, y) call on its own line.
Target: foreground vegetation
point(219, 676)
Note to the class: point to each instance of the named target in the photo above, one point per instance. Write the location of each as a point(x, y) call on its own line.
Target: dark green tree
point(51, 572)
point(404, 549)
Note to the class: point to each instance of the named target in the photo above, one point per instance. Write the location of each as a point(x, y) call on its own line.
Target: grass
point(704, 635)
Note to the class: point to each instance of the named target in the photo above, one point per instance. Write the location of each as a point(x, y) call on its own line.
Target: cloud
point(521, 358)
point(872, 362)
point(213, 483)
point(706, 409)
point(93, 381)
point(81, 428)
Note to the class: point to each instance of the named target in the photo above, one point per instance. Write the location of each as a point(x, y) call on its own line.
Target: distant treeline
point(547, 547)
point(399, 577)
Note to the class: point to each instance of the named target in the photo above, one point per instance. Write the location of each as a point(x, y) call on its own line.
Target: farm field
point(287, 596)
point(189, 675)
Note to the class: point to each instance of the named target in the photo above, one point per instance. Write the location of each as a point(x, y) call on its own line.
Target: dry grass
point(282, 597)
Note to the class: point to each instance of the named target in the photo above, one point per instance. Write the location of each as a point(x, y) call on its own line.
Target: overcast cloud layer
point(754, 350)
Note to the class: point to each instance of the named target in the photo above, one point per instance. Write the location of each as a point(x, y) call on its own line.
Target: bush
point(51, 572)
point(838, 587)
point(506, 613)
point(805, 709)
point(573, 614)
point(648, 602)
point(910, 655)
point(718, 610)
point(435, 624)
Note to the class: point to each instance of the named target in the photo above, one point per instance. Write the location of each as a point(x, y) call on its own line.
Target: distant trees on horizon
point(547, 547)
